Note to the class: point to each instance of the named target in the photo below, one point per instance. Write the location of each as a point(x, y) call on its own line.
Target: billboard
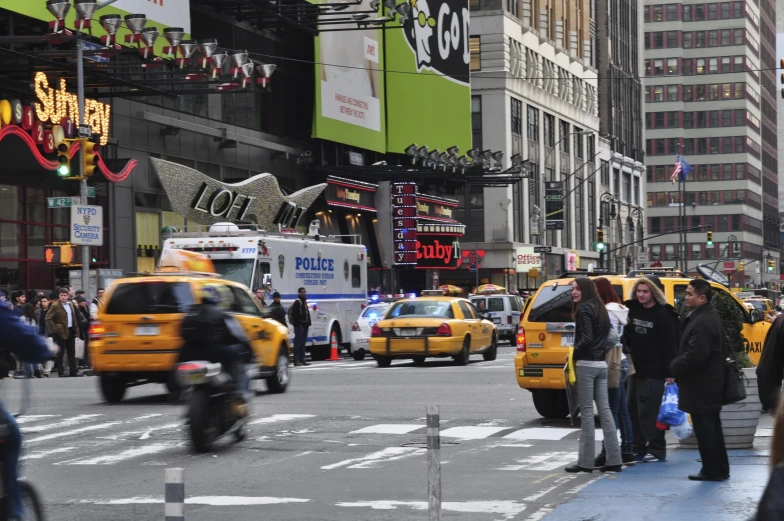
point(159, 14)
point(349, 104)
point(383, 89)
point(428, 89)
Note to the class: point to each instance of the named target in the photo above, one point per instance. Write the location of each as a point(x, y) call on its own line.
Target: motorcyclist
point(24, 342)
point(213, 335)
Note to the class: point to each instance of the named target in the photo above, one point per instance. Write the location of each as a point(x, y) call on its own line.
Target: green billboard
point(349, 104)
point(423, 93)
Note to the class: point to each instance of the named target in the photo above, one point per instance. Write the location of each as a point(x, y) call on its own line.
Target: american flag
point(682, 168)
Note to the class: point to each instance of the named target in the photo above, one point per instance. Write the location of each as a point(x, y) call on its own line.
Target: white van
point(505, 312)
point(333, 273)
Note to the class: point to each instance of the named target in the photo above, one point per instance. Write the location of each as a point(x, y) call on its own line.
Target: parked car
point(360, 330)
point(505, 312)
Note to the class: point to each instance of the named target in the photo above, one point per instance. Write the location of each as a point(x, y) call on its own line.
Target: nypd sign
point(86, 225)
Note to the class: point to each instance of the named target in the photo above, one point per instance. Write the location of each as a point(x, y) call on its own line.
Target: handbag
point(734, 379)
point(613, 359)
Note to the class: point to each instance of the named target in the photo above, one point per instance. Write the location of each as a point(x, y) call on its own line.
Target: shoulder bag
point(734, 379)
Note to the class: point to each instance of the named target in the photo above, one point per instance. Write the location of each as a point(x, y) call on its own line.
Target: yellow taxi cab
point(433, 325)
point(136, 338)
point(764, 306)
point(547, 331)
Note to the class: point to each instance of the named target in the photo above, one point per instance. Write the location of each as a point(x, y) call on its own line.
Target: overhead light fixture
point(218, 59)
point(358, 17)
point(389, 4)
point(462, 161)
point(404, 10)
point(85, 9)
point(422, 152)
point(247, 72)
point(453, 150)
point(111, 23)
point(187, 48)
point(134, 22)
point(473, 153)
point(207, 48)
point(340, 7)
point(433, 155)
point(516, 159)
point(498, 156)
point(375, 4)
point(148, 35)
point(174, 36)
point(411, 150)
point(265, 70)
point(239, 58)
point(487, 155)
point(59, 9)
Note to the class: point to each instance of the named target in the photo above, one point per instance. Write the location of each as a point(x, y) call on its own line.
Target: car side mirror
point(485, 315)
point(755, 316)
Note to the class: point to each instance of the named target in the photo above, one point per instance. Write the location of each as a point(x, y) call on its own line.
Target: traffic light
point(709, 238)
point(600, 240)
point(89, 157)
point(771, 265)
point(740, 266)
point(64, 159)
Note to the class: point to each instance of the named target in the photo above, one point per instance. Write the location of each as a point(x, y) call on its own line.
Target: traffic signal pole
point(83, 182)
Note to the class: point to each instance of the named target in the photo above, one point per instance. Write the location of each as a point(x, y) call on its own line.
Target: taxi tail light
point(521, 347)
point(444, 330)
point(355, 327)
point(375, 331)
point(96, 331)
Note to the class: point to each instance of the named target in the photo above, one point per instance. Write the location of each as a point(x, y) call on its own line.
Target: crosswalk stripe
point(388, 428)
point(471, 433)
point(45, 453)
point(277, 418)
point(47, 437)
point(374, 459)
point(545, 461)
point(70, 422)
point(540, 433)
point(35, 417)
point(111, 459)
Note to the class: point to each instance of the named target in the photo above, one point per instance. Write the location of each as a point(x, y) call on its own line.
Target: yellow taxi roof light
point(183, 260)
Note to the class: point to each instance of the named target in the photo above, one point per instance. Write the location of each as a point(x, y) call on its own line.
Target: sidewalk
point(662, 492)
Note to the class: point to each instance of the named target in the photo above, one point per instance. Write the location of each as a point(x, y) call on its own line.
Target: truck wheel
point(551, 403)
point(112, 387)
point(358, 355)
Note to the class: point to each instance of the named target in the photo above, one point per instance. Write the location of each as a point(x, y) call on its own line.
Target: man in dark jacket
point(699, 369)
point(770, 370)
point(300, 319)
point(651, 339)
point(276, 311)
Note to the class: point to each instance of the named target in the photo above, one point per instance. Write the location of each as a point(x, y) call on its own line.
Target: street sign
point(554, 205)
point(472, 260)
point(89, 46)
point(543, 249)
point(86, 225)
point(61, 202)
point(85, 131)
point(90, 191)
point(642, 258)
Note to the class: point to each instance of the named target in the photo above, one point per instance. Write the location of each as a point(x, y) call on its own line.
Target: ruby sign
point(436, 252)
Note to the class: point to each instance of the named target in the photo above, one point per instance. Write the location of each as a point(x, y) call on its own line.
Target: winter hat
point(656, 280)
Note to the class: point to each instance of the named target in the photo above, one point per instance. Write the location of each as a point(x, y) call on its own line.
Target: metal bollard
point(175, 495)
point(433, 463)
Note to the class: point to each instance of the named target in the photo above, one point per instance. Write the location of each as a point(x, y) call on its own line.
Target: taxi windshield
point(758, 304)
point(422, 308)
point(235, 270)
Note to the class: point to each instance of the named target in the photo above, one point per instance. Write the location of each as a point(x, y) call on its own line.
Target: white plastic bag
point(681, 431)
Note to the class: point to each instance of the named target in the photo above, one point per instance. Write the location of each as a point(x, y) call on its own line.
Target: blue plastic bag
point(669, 414)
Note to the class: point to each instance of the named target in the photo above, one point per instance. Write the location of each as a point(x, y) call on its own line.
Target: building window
point(738, 37)
point(688, 67)
point(605, 173)
point(672, 93)
point(476, 121)
point(687, 13)
point(699, 12)
point(672, 12)
point(658, 14)
point(475, 48)
point(578, 143)
point(713, 65)
point(658, 120)
point(669, 252)
point(672, 39)
point(696, 251)
point(700, 94)
point(726, 37)
point(700, 39)
point(725, 10)
point(714, 119)
point(688, 120)
point(658, 93)
point(627, 188)
point(549, 130)
point(713, 38)
point(655, 252)
point(658, 67)
point(564, 136)
point(713, 11)
point(517, 116)
point(672, 66)
point(511, 6)
point(533, 123)
point(636, 191)
point(658, 40)
point(737, 9)
point(738, 64)
point(700, 65)
point(714, 145)
point(672, 119)
point(725, 64)
point(688, 40)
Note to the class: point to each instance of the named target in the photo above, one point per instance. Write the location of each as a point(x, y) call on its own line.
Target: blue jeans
point(300, 339)
point(620, 411)
point(12, 446)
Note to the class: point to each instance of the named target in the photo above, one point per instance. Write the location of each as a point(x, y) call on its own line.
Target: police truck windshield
point(236, 270)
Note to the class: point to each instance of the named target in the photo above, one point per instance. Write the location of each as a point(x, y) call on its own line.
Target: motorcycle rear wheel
point(31, 501)
point(202, 426)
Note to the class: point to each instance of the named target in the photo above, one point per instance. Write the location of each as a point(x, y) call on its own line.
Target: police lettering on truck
point(333, 273)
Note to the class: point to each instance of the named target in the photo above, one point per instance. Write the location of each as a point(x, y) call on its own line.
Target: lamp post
point(606, 198)
point(636, 213)
point(541, 179)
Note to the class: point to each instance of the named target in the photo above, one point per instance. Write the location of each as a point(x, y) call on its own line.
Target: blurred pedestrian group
point(626, 354)
point(62, 317)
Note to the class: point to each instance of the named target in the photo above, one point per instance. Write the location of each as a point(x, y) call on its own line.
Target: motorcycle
point(213, 411)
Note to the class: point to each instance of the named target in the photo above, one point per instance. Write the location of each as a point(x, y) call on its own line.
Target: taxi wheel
point(383, 361)
point(112, 387)
point(358, 355)
point(465, 354)
point(492, 351)
point(551, 403)
point(280, 380)
point(419, 360)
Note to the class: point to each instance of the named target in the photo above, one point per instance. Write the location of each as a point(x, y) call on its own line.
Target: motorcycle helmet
point(216, 294)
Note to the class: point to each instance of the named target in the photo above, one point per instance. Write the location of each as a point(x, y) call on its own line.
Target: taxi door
point(248, 315)
point(485, 327)
point(474, 325)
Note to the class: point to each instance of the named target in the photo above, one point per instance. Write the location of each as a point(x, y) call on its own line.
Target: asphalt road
point(345, 442)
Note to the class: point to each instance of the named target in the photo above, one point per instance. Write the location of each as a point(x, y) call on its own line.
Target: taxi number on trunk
point(413, 331)
point(567, 340)
point(147, 331)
